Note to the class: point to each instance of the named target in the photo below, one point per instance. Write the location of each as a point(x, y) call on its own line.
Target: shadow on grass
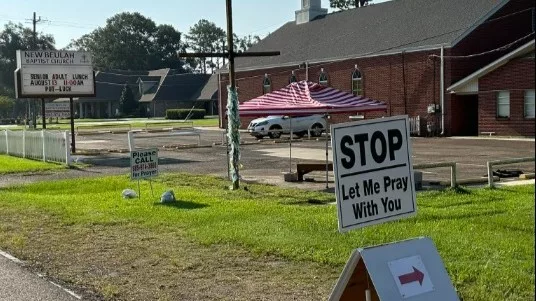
point(307, 202)
point(182, 205)
point(109, 161)
point(451, 216)
point(514, 228)
point(459, 190)
point(472, 202)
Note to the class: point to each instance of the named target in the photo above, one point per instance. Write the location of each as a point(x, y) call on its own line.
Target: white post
point(490, 174)
point(67, 148)
point(453, 175)
point(7, 143)
point(44, 145)
point(306, 71)
point(24, 143)
point(131, 141)
point(442, 91)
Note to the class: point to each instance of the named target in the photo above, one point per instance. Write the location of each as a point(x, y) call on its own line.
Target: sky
point(68, 19)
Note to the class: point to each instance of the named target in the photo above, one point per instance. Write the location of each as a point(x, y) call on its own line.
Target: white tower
point(310, 10)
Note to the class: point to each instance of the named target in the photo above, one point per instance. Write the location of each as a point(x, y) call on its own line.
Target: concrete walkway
point(514, 183)
point(498, 138)
point(18, 284)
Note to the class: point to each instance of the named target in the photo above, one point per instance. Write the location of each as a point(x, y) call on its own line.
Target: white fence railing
point(52, 146)
point(415, 125)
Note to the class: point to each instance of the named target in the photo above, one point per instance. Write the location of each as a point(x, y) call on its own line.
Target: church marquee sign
point(52, 73)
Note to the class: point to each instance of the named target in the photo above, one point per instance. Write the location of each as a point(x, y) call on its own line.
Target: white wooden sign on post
point(46, 73)
point(373, 172)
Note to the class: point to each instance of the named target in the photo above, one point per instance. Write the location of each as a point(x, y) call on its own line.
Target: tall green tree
point(6, 106)
point(130, 41)
point(12, 38)
point(205, 36)
point(347, 4)
point(127, 103)
point(246, 42)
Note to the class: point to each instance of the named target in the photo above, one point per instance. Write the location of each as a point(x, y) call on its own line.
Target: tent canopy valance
point(306, 98)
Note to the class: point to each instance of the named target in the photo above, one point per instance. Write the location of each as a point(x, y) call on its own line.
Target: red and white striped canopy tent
point(306, 98)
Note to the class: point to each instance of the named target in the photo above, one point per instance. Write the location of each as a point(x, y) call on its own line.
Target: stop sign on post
point(373, 172)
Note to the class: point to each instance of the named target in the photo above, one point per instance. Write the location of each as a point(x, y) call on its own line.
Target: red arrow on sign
point(416, 275)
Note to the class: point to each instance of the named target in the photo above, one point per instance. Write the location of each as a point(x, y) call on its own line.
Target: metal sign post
point(43, 117)
point(73, 141)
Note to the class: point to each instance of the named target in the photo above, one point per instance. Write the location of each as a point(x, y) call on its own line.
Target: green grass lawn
point(135, 123)
point(485, 237)
point(10, 164)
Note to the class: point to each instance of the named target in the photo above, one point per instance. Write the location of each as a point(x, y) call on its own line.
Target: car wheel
point(316, 130)
point(275, 131)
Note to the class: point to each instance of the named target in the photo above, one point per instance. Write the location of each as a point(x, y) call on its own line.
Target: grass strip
point(10, 165)
point(485, 237)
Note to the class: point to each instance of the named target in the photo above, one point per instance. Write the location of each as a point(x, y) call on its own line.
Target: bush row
point(182, 113)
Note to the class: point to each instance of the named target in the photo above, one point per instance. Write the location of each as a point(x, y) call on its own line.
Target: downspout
point(220, 111)
point(442, 91)
point(404, 84)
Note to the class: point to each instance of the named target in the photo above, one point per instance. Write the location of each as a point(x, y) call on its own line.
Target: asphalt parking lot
point(265, 161)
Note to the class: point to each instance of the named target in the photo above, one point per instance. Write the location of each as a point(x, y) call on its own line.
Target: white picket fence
point(51, 146)
point(415, 126)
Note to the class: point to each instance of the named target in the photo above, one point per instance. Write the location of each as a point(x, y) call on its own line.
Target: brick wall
point(384, 78)
point(408, 82)
point(516, 76)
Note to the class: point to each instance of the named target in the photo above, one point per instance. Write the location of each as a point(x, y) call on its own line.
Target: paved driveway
point(266, 161)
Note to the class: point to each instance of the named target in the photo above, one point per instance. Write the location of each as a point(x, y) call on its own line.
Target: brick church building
point(465, 67)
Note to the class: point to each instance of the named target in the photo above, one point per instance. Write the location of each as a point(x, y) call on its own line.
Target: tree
point(347, 4)
point(130, 41)
point(17, 37)
point(127, 104)
point(246, 42)
point(6, 106)
point(205, 36)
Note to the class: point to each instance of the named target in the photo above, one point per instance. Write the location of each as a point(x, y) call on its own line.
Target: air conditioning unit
point(433, 108)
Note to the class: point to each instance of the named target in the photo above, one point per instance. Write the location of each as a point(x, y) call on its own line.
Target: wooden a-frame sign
point(409, 270)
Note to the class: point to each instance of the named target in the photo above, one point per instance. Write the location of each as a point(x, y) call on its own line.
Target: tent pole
point(290, 146)
point(327, 163)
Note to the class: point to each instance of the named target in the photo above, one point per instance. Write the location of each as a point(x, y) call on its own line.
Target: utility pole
point(34, 47)
point(232, 101)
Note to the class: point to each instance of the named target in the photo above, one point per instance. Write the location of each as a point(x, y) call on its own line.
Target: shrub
point(182, 113)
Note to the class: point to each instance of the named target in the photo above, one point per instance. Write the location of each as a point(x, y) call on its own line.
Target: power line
point(502, 48)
